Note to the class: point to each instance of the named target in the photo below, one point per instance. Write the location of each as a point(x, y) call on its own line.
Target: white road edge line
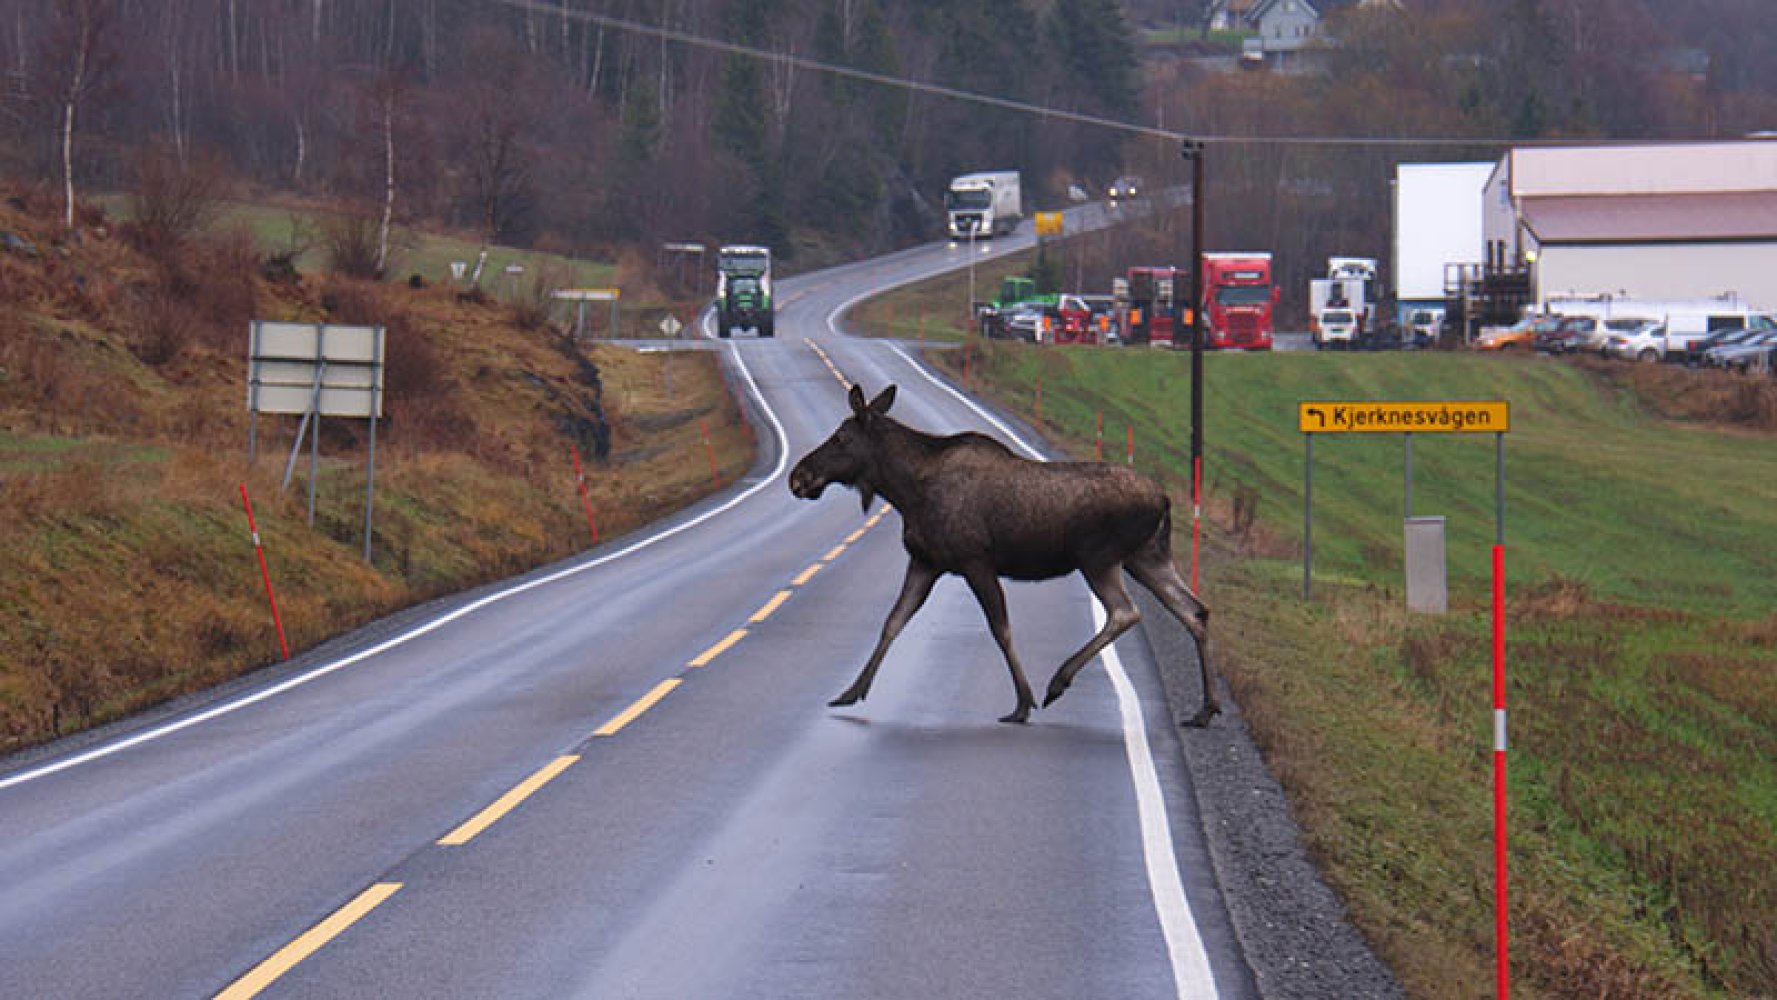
point(229, 707)
point(1184, 945)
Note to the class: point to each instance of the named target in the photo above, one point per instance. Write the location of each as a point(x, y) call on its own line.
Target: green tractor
point(743, 290)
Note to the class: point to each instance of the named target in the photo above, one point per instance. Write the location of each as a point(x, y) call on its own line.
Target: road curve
point(618, 777)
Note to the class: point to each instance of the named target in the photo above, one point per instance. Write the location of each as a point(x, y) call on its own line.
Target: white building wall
point(1665, 271)
point(1499, 213)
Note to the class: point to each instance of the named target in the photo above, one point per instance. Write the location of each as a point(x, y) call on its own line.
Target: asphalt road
point(618, 777)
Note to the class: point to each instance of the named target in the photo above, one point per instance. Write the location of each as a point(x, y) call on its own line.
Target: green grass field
point(1642, 653)
point(426, 254)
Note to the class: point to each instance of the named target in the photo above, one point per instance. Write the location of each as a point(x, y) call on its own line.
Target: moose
point(970, 506)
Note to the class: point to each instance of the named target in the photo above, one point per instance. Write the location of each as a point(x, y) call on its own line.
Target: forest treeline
point(559, 124)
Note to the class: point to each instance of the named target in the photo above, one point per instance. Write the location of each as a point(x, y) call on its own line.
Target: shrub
point(172, 202)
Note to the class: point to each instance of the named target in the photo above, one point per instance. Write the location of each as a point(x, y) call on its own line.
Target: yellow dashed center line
point(268, 972)
point(508, 802)
point(704, 658)
point(828, 362)
point(287, 957)
point(772, 605)
point(642, 704)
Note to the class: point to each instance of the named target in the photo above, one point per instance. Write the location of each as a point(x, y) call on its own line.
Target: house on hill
point(1284, 25)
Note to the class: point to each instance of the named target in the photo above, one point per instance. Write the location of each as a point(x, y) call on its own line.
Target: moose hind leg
point(1154, 569)
point(986, 586)
point(1121, 615)
point(915, 588)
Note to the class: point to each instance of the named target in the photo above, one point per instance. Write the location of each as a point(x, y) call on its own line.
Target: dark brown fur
point(969, 506)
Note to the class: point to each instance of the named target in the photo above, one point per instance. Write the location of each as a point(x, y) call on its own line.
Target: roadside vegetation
point(127, 574)
point(1642, 653)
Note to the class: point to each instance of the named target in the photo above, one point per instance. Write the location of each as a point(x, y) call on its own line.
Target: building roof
point(1730, 216)
point(1264, 7)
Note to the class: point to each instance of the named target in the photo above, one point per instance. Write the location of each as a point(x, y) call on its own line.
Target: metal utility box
point(1427, 581)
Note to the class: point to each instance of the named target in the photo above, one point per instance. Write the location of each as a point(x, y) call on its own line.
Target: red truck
point(1238, 299)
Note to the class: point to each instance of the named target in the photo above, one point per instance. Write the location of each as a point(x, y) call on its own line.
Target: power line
point(989, 100)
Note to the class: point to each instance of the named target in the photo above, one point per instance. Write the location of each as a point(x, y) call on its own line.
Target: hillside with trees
point(588, 125)
point(536, 124)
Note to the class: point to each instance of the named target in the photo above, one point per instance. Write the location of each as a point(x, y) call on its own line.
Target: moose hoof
point(1019, 716)
point(1056, 690)
point(848, 698)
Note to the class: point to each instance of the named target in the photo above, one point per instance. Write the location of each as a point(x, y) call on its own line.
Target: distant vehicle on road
point(984, 205)
point(1125, 188)
point(743, 290)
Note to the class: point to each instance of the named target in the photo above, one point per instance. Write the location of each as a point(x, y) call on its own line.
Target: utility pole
point(1192, 150)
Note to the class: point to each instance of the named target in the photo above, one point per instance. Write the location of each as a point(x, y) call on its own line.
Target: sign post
point(314, 370)
point(581, 296)
point(1445, 417)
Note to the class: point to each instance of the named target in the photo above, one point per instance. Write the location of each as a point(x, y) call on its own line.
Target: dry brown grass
point(124, 577)
point(1704, 396)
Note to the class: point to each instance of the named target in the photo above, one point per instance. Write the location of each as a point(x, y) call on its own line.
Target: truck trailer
point(983, 205)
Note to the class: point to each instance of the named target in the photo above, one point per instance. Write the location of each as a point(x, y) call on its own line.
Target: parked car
point(1568, 334)
point(1033, 320)
point(1695, 350)
point(1337, 326)
point(1424, 326)
point(1590, 333)
point(1520, 335)
point(1742, 356)
point(1646, 342)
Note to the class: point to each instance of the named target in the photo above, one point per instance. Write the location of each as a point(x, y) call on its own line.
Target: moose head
point(850, 456)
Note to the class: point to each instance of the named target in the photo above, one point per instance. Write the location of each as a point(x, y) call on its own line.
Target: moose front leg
point(915, 588)
point(986, 585)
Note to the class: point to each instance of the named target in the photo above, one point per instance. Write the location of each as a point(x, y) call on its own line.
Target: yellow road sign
point(1049, 224)
point(1443, 417)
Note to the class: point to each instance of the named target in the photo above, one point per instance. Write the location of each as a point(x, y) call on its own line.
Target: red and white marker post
point(585, 499)
point(1500, 916)
point(265, 573)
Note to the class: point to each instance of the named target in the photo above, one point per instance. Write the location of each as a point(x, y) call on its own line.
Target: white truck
point(983, 205)
point(1340, 305)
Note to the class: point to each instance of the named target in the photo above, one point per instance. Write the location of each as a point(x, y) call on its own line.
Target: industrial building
point(1654, 221)
point(1658, 221)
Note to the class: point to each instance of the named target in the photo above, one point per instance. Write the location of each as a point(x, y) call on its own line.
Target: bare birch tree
point(78, 44)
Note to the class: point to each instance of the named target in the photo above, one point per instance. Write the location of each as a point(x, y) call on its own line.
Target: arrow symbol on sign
point(1319, 416)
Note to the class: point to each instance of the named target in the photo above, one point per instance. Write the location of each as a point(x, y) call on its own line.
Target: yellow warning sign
point(1445, 417)
point(1049, 224)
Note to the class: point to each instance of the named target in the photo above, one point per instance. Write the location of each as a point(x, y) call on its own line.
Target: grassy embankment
point(1642, 653)
point(126, 571)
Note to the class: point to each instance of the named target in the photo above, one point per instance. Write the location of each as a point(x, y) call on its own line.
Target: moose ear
point(856, 398)
point(885, 399)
